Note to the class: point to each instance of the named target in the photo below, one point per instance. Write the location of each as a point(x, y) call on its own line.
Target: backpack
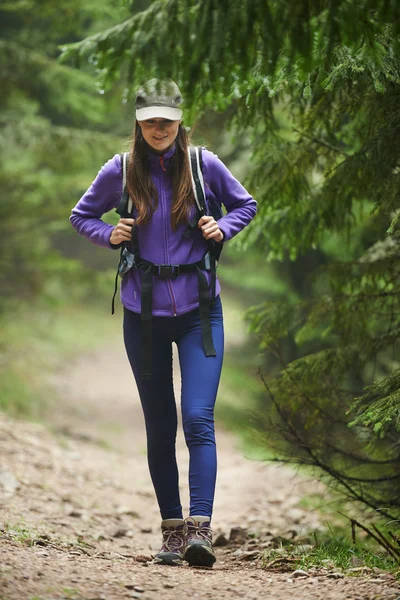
point(130, 258)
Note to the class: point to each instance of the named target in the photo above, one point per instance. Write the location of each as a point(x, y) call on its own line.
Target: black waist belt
point(150, 270)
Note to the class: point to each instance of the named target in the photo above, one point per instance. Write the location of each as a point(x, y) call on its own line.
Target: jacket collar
point(158, 159)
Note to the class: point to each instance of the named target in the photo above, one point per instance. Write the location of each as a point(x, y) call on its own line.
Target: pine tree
point(55, 132)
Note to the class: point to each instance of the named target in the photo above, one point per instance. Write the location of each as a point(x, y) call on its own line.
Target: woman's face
point(160, 134)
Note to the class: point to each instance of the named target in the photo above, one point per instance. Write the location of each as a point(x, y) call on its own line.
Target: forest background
point(302, 102)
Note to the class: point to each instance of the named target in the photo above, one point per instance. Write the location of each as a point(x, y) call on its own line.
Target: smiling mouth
point(159, 139)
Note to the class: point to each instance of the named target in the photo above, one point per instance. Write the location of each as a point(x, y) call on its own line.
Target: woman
point(160, 186)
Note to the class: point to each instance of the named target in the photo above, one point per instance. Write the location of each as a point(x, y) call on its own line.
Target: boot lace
point(173, 540)
point(203, 532)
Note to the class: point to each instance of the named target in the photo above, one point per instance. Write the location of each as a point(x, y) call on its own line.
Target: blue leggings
point(200, 378)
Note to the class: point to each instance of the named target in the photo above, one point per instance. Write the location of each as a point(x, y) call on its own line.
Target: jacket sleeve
point(240, 206)
point(102, 196)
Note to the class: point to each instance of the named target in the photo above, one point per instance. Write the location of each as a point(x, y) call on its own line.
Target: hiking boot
point(171, 553)
point(198, 551)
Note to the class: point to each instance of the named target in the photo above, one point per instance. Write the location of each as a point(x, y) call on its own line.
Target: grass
point(335, 552)
point(20, 534)
point(334, 548)
point(70, 592)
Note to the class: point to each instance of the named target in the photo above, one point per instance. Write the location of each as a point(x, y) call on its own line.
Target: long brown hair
point(141, 188)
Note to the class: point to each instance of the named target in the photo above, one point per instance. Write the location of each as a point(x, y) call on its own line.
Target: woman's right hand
point(122, 232)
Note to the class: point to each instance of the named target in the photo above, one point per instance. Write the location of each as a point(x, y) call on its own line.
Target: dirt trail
point(79, 518)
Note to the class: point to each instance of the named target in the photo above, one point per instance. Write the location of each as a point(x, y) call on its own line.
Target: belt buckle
point(170, 271)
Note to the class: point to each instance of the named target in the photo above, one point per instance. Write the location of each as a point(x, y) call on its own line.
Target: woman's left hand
point(209, 229)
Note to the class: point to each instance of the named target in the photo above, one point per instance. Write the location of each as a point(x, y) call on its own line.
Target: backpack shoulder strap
point(124, 171)
point(125, 205)
point(195, 162)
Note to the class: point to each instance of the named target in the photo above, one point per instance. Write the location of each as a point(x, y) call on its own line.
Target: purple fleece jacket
point(158, 242)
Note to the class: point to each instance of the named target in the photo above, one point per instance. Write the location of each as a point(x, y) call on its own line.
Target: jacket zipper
point(173, 299)
point(166, 246)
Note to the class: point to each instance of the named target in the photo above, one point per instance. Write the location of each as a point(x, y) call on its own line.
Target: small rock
point(295, 514)
point(220, 541)
point(124, 510)
point(119, 532)
point(250, 555)
point(139, 589)
point(9, 482)
point(359, 570)
point(74, 512)
point(335, 575)
point(356, 561)
point(290, 533)
point(238, 535)
point(146, 530)
point(276, 500)
point(169, 586)
point(300, 573)
point(355, 570)
point(135, 595)
point(378, 570)
point(266, 537)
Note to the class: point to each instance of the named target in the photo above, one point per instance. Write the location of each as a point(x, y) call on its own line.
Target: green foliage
point(56, 131)
point(222, 52)
point(333, 552)
point(379, 407)
point(334, 60)
point(345, 337)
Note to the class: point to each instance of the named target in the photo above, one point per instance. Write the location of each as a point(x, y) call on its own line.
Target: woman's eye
point(163, 121)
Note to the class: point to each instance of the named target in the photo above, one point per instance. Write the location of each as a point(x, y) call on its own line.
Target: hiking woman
point(170, 294)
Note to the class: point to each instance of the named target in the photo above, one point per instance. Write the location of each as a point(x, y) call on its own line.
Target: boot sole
point(170, 559)
point(199, 555)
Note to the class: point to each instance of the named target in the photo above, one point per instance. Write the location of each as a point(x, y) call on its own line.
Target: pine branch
point(321, 142)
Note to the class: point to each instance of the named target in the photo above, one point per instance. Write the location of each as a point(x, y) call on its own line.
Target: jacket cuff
point(115, 246)
point(224, 230)
point(110, 244)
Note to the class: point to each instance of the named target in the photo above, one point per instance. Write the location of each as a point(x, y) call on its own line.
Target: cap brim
point(159, 112)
